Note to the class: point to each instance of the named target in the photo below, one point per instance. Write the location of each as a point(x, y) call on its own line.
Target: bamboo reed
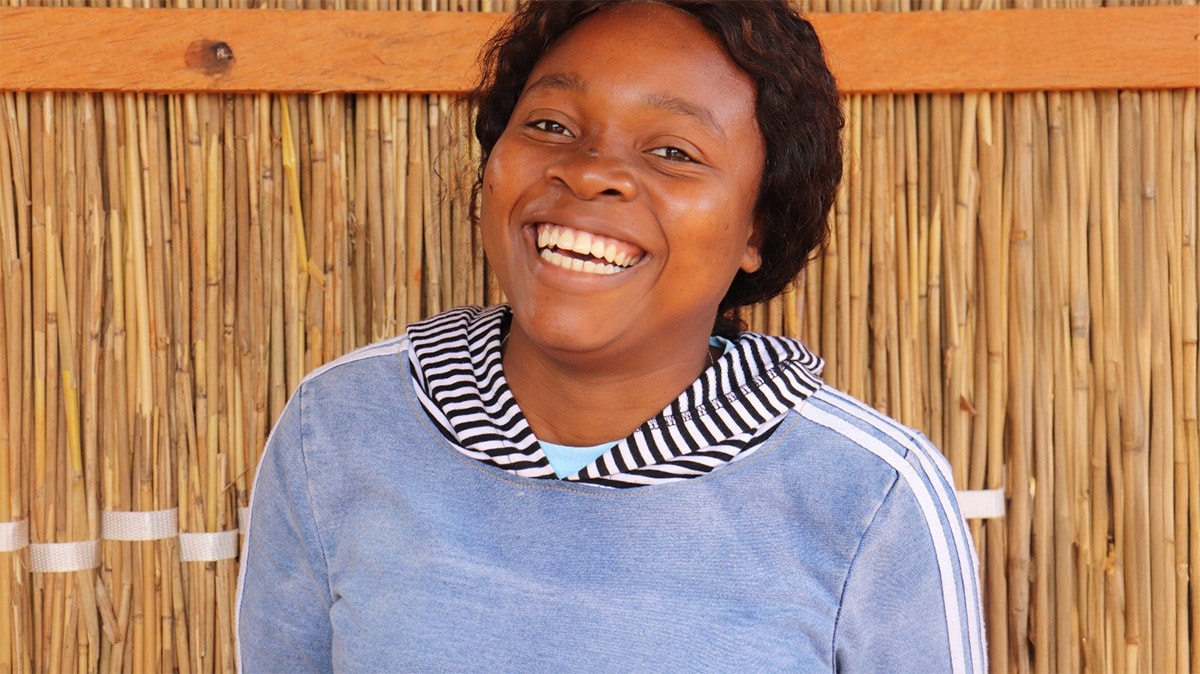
point(1190, 148)
point(384, 202)
point(855, 378)
point(1174, 170)
point(14, 639)
point(1134, 394)
point(398, 195)
point(882, 254)
point(414, 202)
point(1157, 196)
point(993, 236)
point(1047, 206)
point(377, 248)
point(1021, 378)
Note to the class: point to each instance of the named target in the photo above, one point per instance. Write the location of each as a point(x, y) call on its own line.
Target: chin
point(559, 329)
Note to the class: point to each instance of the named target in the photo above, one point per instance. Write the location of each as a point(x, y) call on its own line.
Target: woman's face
point(619, 202)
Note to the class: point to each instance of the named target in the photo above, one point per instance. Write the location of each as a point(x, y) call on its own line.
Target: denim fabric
point(375, 546)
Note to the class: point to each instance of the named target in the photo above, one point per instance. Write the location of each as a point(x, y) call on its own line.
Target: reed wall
point(1014, 274)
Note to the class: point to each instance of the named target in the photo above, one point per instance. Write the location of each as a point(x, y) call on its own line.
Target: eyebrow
point(678, 106)
point(670, 104)
point(561, 81)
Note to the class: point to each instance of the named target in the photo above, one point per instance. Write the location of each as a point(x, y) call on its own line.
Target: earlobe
point(752, 258)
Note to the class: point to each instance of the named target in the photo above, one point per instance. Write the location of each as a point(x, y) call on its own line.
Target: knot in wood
point(211, 57)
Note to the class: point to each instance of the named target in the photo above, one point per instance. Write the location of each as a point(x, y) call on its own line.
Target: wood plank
point(1014, 50)
point(296, 51)
point(219, 50)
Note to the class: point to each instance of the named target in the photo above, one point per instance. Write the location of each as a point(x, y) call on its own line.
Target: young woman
point(607, 475)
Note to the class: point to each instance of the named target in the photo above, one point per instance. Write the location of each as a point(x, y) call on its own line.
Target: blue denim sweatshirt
point(376, 544)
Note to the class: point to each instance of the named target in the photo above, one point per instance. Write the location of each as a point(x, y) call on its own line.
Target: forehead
point(657, 53)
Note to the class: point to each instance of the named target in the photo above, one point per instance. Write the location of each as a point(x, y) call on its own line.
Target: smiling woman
point(607, 474)
point(636, 131)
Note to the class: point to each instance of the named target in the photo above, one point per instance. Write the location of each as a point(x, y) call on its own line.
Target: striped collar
point(723, 416)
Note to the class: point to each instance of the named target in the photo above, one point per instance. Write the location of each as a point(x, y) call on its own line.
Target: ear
point(752, 258)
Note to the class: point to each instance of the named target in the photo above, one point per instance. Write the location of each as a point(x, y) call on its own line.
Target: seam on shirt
point(925, 487)
point(837, 621)
point(246, 548)
point(311, 501)
point(385, 347)
point(931, 463)
point(705, 408)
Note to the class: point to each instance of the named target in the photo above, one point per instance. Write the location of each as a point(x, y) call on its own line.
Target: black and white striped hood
point(723, 416)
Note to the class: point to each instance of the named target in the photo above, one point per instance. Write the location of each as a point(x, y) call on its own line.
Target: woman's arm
point(910, 601)
point(283, 597)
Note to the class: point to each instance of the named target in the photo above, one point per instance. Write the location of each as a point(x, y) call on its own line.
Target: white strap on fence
point(211, 547)
point(14, 535)
point(981, 503)
point(122, 525)
point(149, 525)
point(63, 557)
point(243, 520)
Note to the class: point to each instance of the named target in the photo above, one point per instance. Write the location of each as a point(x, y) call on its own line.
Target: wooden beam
point(296, 51)
point(1014, 50)
point(239, 50)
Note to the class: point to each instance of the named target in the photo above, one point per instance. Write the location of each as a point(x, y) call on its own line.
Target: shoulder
point(448, 330)
point(917, 537)
point(387, 349)
point(847, 430)
point(878, 435)
point(875, 441)
point(869, 458)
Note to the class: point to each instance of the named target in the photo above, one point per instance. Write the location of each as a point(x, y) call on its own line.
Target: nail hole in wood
point(212, 57)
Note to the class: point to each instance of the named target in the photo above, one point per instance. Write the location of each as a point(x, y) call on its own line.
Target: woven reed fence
point(1015, 274)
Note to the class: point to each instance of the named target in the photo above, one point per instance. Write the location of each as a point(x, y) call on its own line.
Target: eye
point(672, 154)
point(550, 126)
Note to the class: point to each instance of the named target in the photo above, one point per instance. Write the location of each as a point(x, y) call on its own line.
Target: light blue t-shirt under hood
point(569, 459)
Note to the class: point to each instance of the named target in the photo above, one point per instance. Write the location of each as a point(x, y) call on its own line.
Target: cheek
point(492, 190)
point(489, 211)
point(491, 171)
point(711, 227)
point(730, 228)
point(500, 181)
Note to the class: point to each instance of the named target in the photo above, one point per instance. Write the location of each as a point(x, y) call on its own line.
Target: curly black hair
point(797, 107)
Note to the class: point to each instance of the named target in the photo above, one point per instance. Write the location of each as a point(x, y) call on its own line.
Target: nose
point(591, 173)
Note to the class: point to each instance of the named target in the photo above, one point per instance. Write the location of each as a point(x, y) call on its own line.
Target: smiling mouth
point(585, 252)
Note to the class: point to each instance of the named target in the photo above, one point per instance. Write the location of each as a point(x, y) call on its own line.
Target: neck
point(588, 399)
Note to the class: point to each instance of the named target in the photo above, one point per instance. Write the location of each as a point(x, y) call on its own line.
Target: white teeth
point(566, 240)
point(553, 238)
point(575, 264)
point(582, 244)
